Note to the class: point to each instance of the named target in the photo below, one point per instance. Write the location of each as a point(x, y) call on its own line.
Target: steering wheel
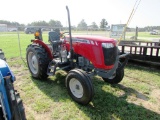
point(62, 34)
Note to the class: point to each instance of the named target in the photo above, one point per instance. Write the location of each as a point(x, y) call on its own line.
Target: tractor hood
point(101, 51)
point(92, 38)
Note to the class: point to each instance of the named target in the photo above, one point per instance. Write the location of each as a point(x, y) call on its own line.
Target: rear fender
point(45, 47)
point(5, 70)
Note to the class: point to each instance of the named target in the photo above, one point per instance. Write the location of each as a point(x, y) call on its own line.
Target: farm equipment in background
point(11, 106)
point(81, 56)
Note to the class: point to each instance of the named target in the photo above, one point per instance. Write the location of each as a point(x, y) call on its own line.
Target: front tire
point(79, 86)
point(37, 60)
point(116, 77)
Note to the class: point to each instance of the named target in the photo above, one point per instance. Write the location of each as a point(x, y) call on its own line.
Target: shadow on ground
point(108, 106)
point(53, 88)
point(129, 91)
point(104, 105)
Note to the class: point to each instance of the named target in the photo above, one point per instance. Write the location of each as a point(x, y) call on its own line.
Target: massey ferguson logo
point(79, 40)
point(83, 41)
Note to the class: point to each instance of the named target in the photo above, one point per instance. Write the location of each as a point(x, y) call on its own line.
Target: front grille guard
point(109, 73)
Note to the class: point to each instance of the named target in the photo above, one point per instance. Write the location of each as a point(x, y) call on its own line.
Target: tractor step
point(50, 74)
point(52, 68)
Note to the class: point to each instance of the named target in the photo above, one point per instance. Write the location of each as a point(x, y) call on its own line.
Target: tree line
point(82, 25)
point(11, 24)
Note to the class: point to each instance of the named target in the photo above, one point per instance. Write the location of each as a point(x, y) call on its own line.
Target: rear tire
point(1, 113)
point(115, 78)
point(37, 60)
point(14, 101)
point(79, 86)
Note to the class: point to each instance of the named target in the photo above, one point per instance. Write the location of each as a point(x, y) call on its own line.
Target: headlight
point(36, 34)
point(107, 45)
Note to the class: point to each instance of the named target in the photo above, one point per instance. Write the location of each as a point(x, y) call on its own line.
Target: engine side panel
point(90, 49)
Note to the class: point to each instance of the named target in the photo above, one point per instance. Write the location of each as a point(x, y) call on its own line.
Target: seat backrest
point(54, 36)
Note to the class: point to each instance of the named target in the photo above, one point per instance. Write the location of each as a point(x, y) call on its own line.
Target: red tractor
point(81, 56)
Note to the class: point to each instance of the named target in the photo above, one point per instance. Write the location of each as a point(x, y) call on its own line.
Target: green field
point(135, 98)
point(142, 36)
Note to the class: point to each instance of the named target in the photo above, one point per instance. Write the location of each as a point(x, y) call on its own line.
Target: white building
point(3, 27)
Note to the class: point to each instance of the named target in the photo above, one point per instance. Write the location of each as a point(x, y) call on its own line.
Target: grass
point(135, 98)
point(142, 35)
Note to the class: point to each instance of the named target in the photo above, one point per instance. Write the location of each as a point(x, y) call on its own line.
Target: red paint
point(89, 47)
point(45, 47)
point(92, 50)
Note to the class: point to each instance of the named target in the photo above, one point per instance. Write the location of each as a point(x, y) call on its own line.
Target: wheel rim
point(33, 62)
point(76, 88)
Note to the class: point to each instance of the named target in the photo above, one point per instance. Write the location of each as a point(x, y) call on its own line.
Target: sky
point(114, 11)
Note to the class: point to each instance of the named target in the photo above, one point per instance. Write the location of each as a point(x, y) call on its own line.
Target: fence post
point(136, 33)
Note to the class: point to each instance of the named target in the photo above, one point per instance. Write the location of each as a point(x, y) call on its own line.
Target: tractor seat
point(54, 36)
point(54, 39)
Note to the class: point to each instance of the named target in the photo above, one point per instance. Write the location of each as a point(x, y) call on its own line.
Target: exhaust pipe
point(69, 23)
point(71, 47)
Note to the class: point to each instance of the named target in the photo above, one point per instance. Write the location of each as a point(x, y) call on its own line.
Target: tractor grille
point(110, 55)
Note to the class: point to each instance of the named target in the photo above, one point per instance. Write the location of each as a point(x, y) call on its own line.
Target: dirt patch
point(156, 94)
point(150, 101)
point(146, 104)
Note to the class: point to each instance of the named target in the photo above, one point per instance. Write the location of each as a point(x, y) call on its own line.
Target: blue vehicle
point(11, 106)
